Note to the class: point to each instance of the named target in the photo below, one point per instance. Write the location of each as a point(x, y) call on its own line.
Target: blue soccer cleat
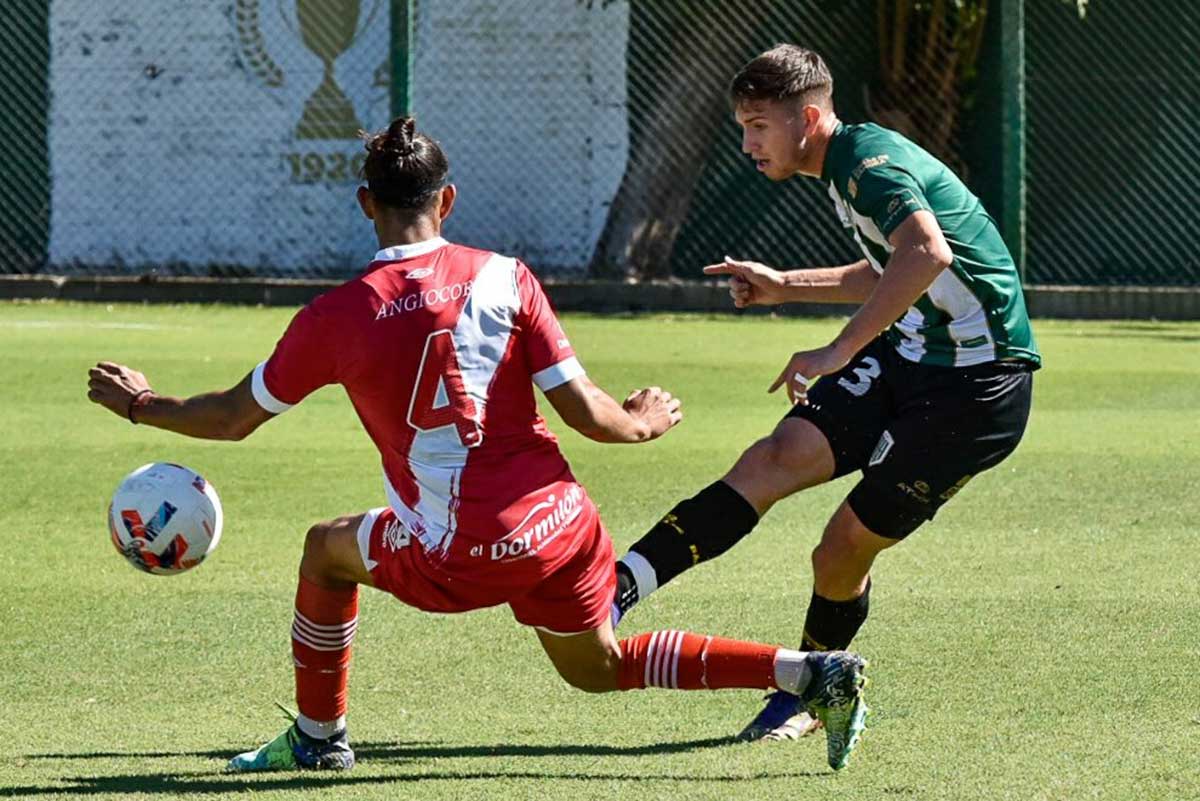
point(295, 750)
point(783, 718)
point(835, 697)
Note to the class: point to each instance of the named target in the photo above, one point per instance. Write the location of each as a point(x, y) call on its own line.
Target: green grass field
point(1039, 640)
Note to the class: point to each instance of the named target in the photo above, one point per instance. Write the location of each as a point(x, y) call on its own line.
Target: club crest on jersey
point(396, 535)
point(866, 164)
point(528, 538)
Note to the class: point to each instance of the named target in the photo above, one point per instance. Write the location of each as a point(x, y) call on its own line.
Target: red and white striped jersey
point(438, 347)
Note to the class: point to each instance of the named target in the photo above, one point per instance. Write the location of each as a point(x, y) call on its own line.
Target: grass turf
point(1036, 642)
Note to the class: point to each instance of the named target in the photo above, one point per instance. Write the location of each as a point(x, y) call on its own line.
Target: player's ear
point(446, 201)
point(366, 202)
point(812, 116)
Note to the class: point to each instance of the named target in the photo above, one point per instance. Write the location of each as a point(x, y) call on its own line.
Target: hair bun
point(400, 136)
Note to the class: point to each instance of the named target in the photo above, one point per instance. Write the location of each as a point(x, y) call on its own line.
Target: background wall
point(589, 137)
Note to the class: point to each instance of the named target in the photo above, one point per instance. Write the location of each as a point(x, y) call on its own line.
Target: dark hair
point(784, 72)
point(404, 169)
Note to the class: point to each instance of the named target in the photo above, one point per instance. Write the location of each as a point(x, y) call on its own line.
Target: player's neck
point(814, 164)
point(391, 235)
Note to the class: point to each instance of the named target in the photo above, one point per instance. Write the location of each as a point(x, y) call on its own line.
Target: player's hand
point(806, 367)
point(750, 283)
point(114, 386)
point(655, 407)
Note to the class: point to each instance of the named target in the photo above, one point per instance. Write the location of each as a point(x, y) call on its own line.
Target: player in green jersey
point(928, 384)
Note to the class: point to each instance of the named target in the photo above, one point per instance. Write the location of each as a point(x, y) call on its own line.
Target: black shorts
point(918, 433)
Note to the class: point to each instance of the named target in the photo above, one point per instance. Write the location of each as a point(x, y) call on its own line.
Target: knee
point(316, 547)
point(797, 449)
point(778, 452)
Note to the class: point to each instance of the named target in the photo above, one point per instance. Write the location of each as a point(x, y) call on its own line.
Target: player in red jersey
point(438, 347)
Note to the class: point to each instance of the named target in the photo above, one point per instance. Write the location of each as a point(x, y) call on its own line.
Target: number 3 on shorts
point(439, 368)
point(865, 373)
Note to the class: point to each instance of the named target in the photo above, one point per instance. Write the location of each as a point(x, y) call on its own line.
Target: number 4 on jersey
point(439, 368)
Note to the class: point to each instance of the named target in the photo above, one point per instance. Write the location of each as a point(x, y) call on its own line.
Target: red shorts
point(570, 594)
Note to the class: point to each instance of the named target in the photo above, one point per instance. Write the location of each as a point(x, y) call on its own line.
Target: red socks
point(321, 635)
point(681, 660)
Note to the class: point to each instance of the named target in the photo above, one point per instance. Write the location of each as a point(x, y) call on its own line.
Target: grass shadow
point(377, 755)
point(177, 784)
point(429, 749)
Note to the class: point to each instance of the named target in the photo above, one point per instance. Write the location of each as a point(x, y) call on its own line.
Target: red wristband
point(137, 401)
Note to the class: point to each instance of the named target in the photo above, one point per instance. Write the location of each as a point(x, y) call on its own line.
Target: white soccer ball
point(165, 518)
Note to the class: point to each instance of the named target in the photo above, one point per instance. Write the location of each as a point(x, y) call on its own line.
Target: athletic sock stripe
point(325, 631)
point(325, 627)
point(675, 661)
point(340, 639)
point(346, 634)
point(669, 651)
point(646, 681)
point(330, 636)
point(324, 645)
point(660, 657)
point(316, 645)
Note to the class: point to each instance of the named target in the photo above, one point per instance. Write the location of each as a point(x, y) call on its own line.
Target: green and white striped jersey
point(975, 311)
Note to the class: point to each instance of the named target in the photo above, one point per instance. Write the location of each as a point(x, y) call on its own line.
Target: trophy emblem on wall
point(326, 29)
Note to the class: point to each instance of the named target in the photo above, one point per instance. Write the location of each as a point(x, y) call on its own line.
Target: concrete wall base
point(1071, 302)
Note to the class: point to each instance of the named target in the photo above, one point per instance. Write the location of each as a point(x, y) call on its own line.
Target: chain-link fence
point(24, 161)
point(1113, 105)
point(586, 136)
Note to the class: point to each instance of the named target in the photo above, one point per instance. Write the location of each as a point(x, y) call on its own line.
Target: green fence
point(1112, 114)
point(586, 136)
point(24, 160)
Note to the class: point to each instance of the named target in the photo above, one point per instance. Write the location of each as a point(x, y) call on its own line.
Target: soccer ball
point(165, 518)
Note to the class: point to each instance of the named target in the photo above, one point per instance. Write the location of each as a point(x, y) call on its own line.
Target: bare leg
point(795, 456)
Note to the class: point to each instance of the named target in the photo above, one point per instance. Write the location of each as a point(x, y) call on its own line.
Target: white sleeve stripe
point(263, 395)
point(558, 374)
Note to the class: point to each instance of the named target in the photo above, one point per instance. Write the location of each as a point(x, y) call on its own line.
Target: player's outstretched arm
point(755, 284)
point(646, 414)
point(233, 414)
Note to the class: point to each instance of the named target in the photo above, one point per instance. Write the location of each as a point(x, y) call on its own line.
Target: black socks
point(701, 528)
point(831, 625)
